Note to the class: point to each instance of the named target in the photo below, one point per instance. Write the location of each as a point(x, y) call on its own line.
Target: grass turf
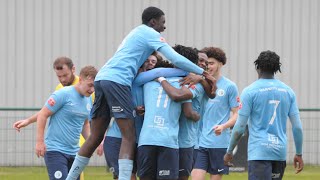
point(99, 173)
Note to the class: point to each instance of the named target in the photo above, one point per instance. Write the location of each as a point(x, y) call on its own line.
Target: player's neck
point(266, 76)
point(77, 87)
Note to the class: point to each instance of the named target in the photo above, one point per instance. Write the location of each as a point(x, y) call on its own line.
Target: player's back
point(268, 102)
point(130, 55)
point(161, 119)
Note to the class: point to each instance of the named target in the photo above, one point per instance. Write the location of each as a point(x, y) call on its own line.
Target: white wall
point(34, 32)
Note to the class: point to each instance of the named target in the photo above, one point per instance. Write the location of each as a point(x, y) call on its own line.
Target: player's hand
point(227, 158)
point(20, 124)
point(212, 81)
point(100, 149)
point(218, 129)
point(40, 149)
point(190, 80)
point(140, 110)
point(298, 163)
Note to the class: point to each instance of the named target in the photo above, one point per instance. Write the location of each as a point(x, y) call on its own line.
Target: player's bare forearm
point(189, 113)
point(210, 86)
point(237, 132)
point(86, 129)
point(176, 94)
point(42, 117)
point(232, 119)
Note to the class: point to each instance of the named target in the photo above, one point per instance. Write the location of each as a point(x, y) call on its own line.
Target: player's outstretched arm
point(208, 83)
point(25, 122)
point(179, 61)
point(43, 115)
point(298, 139)
point(174, 93)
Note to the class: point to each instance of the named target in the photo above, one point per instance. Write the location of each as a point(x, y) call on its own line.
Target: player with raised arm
point(113, 89)
point(266, 105)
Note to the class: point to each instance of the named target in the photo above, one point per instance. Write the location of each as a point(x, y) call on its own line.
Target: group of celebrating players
point(171, 121)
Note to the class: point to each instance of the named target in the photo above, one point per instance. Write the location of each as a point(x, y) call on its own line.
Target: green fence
point(17, 149)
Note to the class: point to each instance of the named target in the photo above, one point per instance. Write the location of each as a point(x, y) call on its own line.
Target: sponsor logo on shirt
point(164, 172)
point(51, 102)
point(273, 139)
point(159, 121)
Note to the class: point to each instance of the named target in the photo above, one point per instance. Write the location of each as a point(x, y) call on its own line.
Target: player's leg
point(111, 147)
point(100, 115)
point(278, 168)
point(258, 170)
point(81, 141)
point(121, 104)
point(57, 165)
point(201, 164)
point(216, 165)
point(167, 163)
point(147, 162)
point(185, 163)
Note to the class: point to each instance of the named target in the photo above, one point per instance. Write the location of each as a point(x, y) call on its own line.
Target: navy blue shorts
point(158, 162)
point(112, 100)
point(195, 153)
point(185, 161)
point(111, 148)
point(264, 169)
point(58, 164)
point(211, 160)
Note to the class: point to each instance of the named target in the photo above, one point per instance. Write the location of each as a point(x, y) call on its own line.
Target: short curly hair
point(268, 61)
point(216, 53)
point(187, 52)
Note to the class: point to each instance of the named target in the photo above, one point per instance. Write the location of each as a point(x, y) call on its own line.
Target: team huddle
point(172, 118)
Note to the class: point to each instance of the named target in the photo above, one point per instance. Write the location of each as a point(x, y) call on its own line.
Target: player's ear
point(73, 69)
point(152, 22)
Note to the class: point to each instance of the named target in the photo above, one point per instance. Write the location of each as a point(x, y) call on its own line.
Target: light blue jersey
point(217, 112)
point(137, 94)
point(70, 110)
point(139, 44)
point(188, 129)
point(161, 119)
point(267, 139)
point(204, 102)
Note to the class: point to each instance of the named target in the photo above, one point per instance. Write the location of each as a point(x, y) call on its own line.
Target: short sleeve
point(55, 101)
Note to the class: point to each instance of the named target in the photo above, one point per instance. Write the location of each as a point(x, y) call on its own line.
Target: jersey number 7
point(276, 103)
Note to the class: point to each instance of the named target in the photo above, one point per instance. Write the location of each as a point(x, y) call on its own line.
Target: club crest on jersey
point(89, 107)
point(51, 102)
point(162, 39)
point(221, 92)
